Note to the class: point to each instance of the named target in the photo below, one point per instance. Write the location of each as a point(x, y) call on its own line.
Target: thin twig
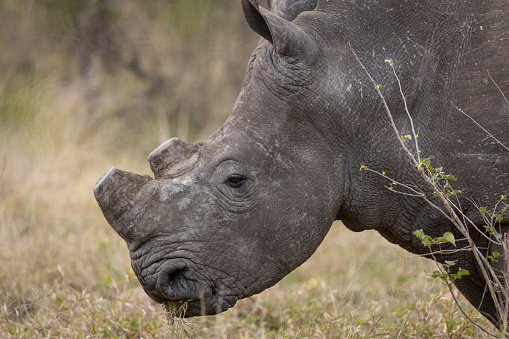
point(449, 287)
point(417, 150)
point(478, 125)
point(377, 88)
point(466, 316)
point(503, 95)
point(456, 250)
point(408, 187)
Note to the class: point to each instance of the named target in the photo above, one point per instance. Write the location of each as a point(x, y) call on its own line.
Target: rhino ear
point(287, 38)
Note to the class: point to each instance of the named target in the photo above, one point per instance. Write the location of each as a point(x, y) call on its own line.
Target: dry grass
point(65, 273)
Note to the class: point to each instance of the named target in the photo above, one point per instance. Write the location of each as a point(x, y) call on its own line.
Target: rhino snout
point(178, 283)
point(173, 285)
point(122, 196)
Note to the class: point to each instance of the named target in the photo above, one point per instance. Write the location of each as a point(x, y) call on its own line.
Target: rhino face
point(226, 218)
point(228, 226)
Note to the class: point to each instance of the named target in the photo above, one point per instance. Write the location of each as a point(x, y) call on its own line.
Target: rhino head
point(228, 217)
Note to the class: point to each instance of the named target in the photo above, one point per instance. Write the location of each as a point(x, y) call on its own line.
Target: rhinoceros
point(228, 217)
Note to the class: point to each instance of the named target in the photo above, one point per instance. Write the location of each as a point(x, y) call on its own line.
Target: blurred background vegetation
point(165, 68)
point(90, 84)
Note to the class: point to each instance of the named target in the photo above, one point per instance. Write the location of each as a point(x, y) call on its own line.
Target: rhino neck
point(438, 61)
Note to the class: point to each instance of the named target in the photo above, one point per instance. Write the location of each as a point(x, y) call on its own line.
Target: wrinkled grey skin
point(289, 9)
point(228, 217)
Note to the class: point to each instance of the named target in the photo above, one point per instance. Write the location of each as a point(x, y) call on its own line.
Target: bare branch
point(377, 88)
point(478, 125)
point(503, 95)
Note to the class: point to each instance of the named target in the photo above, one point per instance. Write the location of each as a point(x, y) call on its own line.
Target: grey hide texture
point(289, 9)
point(228, 217)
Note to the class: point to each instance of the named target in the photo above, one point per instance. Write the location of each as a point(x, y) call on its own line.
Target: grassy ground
point(64, 122)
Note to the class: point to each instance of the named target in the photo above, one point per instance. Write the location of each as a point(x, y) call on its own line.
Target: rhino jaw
point(122, 196)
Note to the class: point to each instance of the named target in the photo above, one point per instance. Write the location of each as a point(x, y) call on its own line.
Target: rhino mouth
point(177, 284)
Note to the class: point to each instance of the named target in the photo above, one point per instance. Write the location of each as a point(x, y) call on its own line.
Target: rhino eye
point(236, 180)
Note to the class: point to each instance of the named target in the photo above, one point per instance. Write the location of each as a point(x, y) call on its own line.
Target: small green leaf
point(451, 177)
point(449, 237)
point(496, 254)
point(499, 217)
point(462, 272)
point(419, 234)
point(483, 210)
point(435, 274)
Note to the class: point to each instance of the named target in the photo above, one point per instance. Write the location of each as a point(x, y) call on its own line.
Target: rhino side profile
point(228, 217)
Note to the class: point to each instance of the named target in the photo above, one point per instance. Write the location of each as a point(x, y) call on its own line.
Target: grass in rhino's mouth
point(174, 312)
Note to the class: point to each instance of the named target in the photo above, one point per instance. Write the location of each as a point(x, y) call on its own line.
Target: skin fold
point(228, 217)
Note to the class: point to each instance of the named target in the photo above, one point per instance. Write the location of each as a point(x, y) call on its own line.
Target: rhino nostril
point(177, 287)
